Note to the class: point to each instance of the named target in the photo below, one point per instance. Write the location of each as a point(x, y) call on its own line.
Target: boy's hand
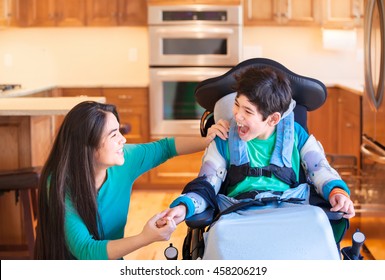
point(161, 222)
point(177, 214)
point(342, 203)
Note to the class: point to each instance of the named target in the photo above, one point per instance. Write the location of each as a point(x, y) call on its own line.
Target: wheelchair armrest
point(333, 216)
point(201, 220)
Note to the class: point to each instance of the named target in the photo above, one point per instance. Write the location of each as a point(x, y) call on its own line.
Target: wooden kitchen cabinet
point(132, 12)
point(176, 172)
point(25, 141)
point(132, 105)
point(349, 124)
point(116, 12)
point(281, 12)
point(25, 13)
point(322, 123)
point(342, 13)
point(337, 124)
point(65, 13)
point(3, 13)
point(82, 91)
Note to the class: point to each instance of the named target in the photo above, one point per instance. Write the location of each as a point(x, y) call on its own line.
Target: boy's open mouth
point(242, 129)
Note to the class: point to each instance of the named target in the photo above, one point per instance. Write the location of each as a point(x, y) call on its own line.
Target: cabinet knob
point(125, 110)
point(124, 96)
point(348, 125)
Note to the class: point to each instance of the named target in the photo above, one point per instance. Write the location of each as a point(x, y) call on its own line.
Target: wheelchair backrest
point(308, 93)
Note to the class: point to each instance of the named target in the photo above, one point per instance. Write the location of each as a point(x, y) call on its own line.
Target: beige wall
point(74, 56)
point(106, 56)
point(301, 50)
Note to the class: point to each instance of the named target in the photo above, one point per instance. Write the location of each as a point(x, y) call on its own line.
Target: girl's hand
point(162, 232)
point(220, 129)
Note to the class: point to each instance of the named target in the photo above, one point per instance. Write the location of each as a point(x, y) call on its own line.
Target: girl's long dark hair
point(69, 172)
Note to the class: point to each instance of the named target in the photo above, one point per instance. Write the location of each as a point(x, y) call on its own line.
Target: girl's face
point(110, 151)
point(250, 121)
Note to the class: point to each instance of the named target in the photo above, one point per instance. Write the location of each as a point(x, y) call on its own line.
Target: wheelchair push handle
point(353, 253)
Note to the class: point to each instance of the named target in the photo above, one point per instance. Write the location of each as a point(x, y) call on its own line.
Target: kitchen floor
point(145, 203)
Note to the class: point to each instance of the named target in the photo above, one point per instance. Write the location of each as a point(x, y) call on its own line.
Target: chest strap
point(237, 173)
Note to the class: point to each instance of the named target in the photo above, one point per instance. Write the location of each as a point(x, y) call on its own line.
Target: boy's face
point(250, 121)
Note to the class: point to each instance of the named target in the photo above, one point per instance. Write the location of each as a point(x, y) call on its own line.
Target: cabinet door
point(178, 171)
point(349, 124)
point(300, 12)
point(132, 12)
point(17, 14)
point(282, 12)
point(261, 12)
point(71, 12)
point(322, 123)
point(132, 106)
point(102, 12)
point(44, 13)
point(3, 13)
point(343, 13)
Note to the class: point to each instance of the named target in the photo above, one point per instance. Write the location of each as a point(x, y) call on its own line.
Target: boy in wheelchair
point(257, 163)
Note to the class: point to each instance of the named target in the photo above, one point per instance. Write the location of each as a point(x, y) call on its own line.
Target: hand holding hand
point(159, 228)
point(177, 214)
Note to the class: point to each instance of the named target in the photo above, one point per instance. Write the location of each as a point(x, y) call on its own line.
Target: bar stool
point(24, 182)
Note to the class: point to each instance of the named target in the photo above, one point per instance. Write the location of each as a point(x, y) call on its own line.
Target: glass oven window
point(194, 15)
point(179, 101)
point(190, 46)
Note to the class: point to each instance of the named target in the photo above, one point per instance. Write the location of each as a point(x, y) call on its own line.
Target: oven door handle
point(373, 152)
point(183, 31)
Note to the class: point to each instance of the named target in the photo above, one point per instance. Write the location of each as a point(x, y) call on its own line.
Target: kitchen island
point(28, 126)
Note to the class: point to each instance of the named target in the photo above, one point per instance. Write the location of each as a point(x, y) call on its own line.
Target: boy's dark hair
point(267, 89)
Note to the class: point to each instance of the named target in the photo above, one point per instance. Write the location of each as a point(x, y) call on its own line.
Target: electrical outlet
point(8, 60)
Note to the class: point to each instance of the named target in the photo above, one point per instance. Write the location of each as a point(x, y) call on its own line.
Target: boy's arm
point(199, 193)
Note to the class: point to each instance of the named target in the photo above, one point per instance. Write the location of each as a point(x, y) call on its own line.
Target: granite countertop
point(355, 86)
point(40, 106)
point(25, 91)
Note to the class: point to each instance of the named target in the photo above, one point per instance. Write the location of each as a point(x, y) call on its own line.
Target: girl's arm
point(188, 145)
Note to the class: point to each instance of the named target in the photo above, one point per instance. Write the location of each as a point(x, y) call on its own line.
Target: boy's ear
point(274, 118)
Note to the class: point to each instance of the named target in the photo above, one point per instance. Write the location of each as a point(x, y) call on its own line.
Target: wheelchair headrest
point(308, 92)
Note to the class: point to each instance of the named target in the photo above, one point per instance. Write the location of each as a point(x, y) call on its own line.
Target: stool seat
point(23, 181)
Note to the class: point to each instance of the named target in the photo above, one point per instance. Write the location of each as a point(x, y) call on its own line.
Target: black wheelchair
point(309, 95)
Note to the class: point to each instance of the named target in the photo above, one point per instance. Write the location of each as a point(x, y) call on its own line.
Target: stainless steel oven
point(195, 35)
point(174, 110)
point(188, 44)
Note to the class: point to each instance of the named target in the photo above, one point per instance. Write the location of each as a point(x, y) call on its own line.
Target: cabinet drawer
point(177, 171)
point(137, 120)
point(81, 91)
point(120, 96)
